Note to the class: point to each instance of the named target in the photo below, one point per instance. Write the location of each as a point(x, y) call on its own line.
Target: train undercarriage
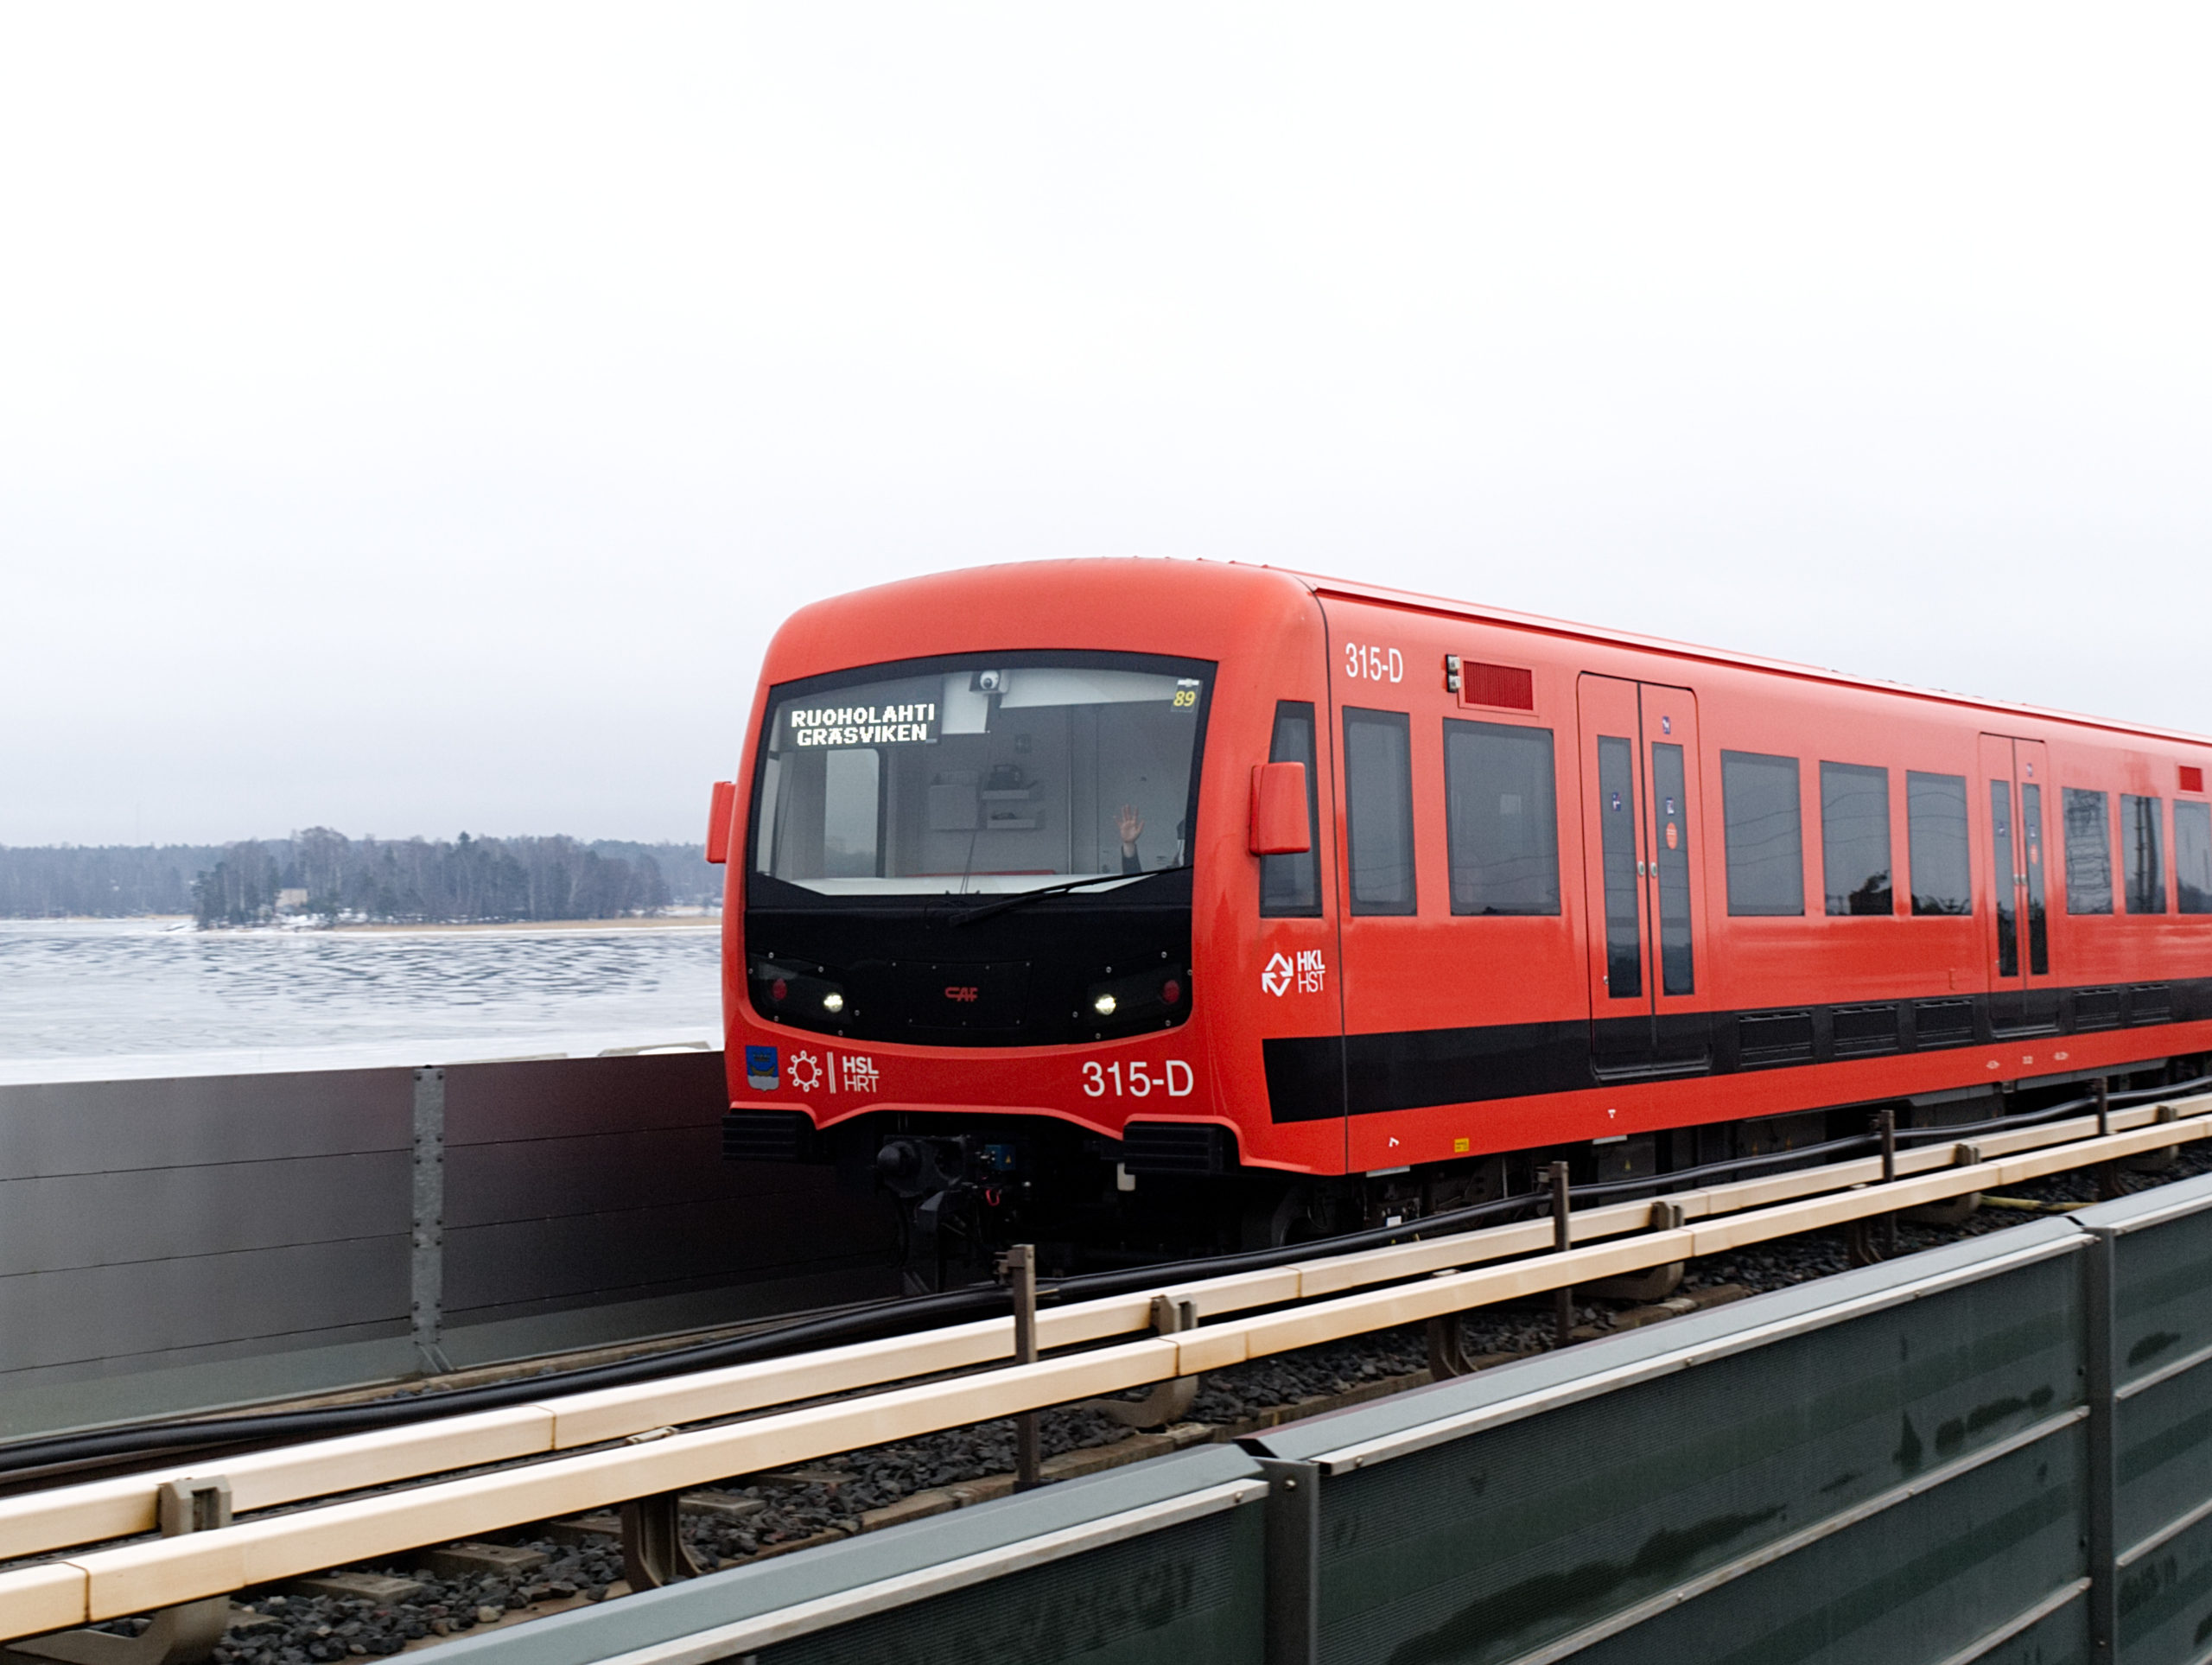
point(964, 1193)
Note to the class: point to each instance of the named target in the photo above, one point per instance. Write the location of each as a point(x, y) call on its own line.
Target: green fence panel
point(2165, 1599)
point(2054, 1634)
point(1189, 1595)
point(1160, 1563)
point(1995, 1453)
point(1938, 1573)
point(2154, 1254)
point(1886, 1464)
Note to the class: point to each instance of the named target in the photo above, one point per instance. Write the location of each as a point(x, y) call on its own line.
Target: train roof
point(1326, 587)
point(1383, 595)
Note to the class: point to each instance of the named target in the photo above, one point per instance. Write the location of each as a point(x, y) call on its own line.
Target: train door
point(1641, 813)
point(2015, 777)
point(1293, 964)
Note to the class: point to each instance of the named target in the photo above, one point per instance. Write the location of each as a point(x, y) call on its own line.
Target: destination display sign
point(863, 725)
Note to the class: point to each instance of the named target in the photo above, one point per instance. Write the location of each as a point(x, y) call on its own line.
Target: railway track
point(553, 1449)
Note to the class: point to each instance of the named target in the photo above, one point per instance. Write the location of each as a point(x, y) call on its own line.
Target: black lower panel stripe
point(1316, 1078)
point(1447, 1066)
point(1306, 1078)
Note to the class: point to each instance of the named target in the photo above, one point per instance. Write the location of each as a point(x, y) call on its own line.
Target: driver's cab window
point(1290, 885)
point(992, 776)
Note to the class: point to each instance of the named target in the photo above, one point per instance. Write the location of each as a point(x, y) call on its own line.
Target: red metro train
point(1144, 906)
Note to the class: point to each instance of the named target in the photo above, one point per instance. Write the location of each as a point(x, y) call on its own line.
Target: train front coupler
point(943, 1183)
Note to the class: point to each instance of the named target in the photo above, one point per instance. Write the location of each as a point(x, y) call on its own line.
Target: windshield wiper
point(1016, 900)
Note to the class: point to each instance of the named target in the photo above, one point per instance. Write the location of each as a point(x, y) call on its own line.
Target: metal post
point(1887, 1119)
point(1563, 1240)
point(2108, 1185)
point(1167, 1401)
point(428, 1279)
point(1019, 1267)
point(2100, 1272)
point(1294, 1562)
point(653, 1550)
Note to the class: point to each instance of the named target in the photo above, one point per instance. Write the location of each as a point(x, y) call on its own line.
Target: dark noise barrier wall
point(172, 1245)
point(1999, 1452)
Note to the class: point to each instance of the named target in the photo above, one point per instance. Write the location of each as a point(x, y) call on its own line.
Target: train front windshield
point(981, 775)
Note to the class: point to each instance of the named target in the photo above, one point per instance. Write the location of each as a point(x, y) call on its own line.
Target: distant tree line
point(420, 881)
point(100, 882)
point(413, 881)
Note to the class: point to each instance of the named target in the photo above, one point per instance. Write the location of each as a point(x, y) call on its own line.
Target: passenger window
point(1502, 818)
point(2000, 853)
point(1766, 842)
point(2193, 856)
point(1290, 885)
point(1616, 846)
point(2088, 852)
point(2031, 844)
point(1379, 810)
point(1855, 838)
point(2143, 851)
point(1670, 865)
point(1936, 821)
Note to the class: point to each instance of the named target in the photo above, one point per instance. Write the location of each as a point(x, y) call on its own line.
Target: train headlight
point(790, 993)
point(1159, 994)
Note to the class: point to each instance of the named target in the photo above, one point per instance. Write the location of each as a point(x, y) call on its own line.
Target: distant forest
point(410, 881)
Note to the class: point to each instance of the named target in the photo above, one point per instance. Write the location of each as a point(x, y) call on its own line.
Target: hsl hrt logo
point(1276, 978)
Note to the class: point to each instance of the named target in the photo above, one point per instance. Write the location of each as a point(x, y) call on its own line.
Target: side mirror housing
point(718, 816)
point(1281, 825)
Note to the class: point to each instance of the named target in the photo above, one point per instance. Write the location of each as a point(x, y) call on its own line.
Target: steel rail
point(565, 1464)
point(121, 1506)
point(203, 1439)
point(35, 1522)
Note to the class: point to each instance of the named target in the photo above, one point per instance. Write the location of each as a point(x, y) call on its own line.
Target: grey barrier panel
point(108, 1127)
point(2154, 1263)
point(1157, 1563)
point(1888, 1464)
point(187, 1229)
point(585, 1200)
point(172, 1245)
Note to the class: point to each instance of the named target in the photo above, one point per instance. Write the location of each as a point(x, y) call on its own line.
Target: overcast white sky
point(417, 418)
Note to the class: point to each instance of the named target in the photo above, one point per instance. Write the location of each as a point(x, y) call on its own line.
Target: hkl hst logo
point(1308, 971)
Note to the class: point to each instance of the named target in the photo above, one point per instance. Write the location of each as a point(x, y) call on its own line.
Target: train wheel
point(1279, 1216)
